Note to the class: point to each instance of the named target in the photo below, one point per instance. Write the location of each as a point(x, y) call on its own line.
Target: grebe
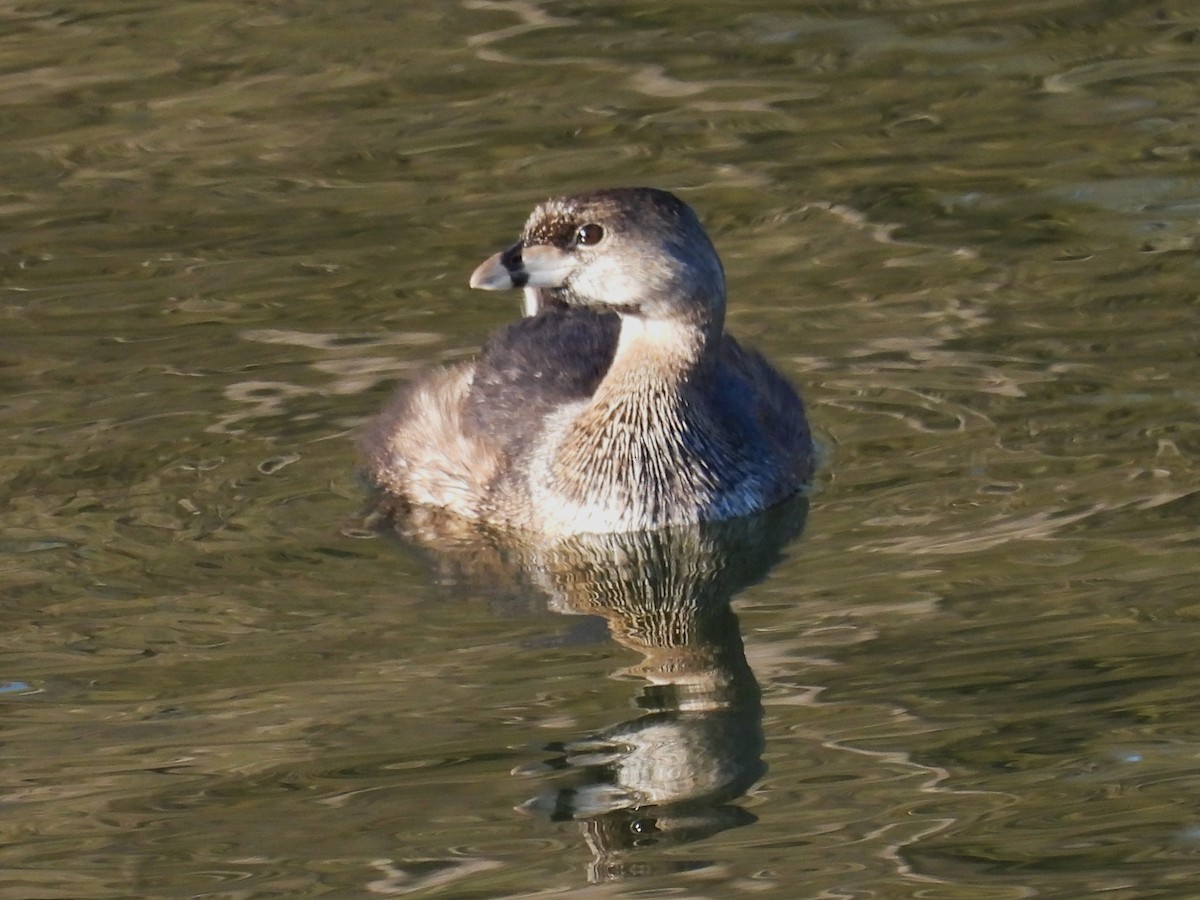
point(617, 404)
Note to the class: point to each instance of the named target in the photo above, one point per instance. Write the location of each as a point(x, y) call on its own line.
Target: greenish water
point(967, 231)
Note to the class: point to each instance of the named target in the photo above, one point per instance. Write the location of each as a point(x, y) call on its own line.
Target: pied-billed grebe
point(617, 404)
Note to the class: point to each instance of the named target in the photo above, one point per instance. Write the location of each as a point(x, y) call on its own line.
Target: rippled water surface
point(966, 230)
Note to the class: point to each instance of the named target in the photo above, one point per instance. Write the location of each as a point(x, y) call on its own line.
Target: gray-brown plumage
point(617, 404)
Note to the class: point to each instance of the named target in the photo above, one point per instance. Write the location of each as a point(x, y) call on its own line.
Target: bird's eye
point(589, 235)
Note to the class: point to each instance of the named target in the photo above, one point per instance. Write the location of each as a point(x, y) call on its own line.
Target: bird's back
point(535, 366)
point(748, 380)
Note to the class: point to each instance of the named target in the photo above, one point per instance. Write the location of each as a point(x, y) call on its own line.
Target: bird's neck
point(657, 357)
point(647, 397)
point(638, 444)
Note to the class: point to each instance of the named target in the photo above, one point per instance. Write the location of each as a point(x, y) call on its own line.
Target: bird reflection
point(672, 774)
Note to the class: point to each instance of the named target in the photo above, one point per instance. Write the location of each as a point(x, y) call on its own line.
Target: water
point(967, 231)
